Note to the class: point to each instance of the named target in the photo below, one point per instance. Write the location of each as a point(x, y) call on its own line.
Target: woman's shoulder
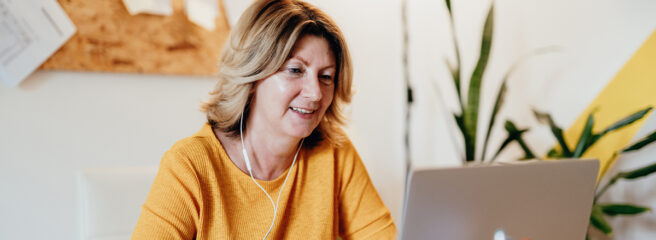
point(340, 148)
point(202, 143)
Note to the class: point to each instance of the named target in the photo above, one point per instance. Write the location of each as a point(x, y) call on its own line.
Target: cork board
point(109, 39)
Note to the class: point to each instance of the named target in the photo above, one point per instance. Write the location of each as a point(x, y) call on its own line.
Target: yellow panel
point(632, 89)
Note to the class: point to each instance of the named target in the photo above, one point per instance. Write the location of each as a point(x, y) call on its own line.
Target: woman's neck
point(270, 153)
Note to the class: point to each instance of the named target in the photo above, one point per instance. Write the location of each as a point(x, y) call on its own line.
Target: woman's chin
point(301, 132)
point(304, 134)
point(301, 129)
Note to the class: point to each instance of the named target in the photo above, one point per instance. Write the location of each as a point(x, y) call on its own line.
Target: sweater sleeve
point(363, 214)
point(172, 208)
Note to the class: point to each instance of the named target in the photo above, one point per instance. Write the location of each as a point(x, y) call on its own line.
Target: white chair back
point(111, 199)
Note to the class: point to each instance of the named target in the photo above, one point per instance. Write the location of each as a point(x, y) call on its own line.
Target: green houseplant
point(467, 122)
point(467, 119)
point(586, 140)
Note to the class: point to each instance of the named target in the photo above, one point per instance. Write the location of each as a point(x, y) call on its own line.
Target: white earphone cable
point(248, 166)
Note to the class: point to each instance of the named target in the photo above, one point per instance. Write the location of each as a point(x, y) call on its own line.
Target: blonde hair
point(262, 40)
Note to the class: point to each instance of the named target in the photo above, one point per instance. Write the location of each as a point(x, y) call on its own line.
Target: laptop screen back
point(539, 200)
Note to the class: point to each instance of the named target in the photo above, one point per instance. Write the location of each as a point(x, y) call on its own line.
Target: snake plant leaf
point(448, 5)
point(640, 172)
point(461, 126)
point(517, 135)
point(460, 123)
point(511, 127)
point(501, 95)
point(597, 220)
point(641, 143)
point(453, 70)
point(619, 124)
point(505, 143)
point(455, 76)
point(528, 154)
point(627, 120)
point(513, 132)
point(585, 137)
point(637, 173)
point(545, 118)
point(474, 91)
point(622, 209)
point(553, 153)
point(470, 146)
point(513, 135)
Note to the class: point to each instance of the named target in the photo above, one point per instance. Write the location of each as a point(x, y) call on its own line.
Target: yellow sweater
point(199, 193)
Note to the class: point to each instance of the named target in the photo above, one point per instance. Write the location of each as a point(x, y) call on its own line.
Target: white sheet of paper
point(30, 31)
point(158, 7)
point(202, 12)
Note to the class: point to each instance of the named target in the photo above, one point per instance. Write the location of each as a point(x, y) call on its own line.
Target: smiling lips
point(302, 110)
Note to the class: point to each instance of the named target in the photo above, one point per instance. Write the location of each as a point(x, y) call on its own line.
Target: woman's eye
point(294, 70)
point(326, 78)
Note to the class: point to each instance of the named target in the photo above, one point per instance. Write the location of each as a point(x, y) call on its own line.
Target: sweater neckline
point(234, 170)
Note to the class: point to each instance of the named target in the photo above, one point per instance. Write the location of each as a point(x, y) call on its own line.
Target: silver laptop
point(537, 200)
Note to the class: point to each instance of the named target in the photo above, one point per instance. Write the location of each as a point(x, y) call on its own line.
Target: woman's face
point(292, 101)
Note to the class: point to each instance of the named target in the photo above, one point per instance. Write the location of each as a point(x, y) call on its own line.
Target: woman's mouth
point(302, 110)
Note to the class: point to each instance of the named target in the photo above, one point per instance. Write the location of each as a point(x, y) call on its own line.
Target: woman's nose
point(312, 88)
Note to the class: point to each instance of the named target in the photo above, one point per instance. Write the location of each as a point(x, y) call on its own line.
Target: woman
point(272, 161)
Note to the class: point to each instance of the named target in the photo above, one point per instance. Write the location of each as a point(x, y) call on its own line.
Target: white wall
point(55, 123)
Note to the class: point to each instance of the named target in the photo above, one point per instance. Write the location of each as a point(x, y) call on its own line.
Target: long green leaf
point(597, 220)
point(456, 81)
point(470, 146)
point(448, 5)
point(553, 153)
point(505, 143)
point(497, 105)
point(455, 70)
point(622, 209)
point(513, 135)
point(501, 94)
point(641, 143)
point(619, 124)
point(640, 172)
point(461, 126)
point(637, 173)
point(517, 134)
point(545, 118)
point(528, 154)
point(474, 91)
point(460, 123)
point(627, 120)
point(610, 183)
point(455, 76)
point(585, 136)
